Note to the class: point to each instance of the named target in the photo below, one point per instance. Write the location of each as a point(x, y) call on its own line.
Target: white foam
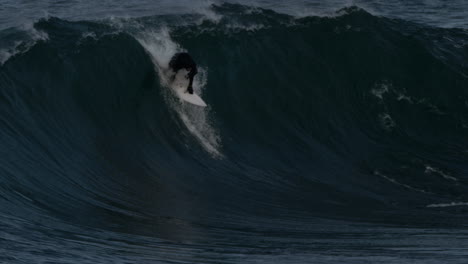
point(433, 108)
point(380, 89)
point(251, 28)
point(36, 34)
point(386, 89)
point(403, 97)
point(161, 48)
point(5, 55)
point(398, 183)
point(89, 34)
point(432, 170)
point(204, 9)
point(386, 121)
point(448, 204)
point(159, 45)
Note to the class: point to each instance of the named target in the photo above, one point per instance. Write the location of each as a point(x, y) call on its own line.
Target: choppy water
point(335, 132)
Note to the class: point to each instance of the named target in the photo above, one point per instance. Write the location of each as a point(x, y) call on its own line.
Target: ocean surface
point(335, 132)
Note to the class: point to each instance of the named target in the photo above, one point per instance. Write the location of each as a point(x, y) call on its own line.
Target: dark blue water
point(334, 132)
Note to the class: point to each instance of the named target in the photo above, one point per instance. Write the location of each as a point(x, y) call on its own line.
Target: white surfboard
point(179, 85)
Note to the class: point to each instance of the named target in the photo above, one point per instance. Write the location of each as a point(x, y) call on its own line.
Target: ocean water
point(335, 132)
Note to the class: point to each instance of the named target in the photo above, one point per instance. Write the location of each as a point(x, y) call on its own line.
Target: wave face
point(313, 124)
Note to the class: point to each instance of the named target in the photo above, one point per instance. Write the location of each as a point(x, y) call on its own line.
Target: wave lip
point(17, 41)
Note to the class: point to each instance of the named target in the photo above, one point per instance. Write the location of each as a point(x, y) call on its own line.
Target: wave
point(350, 117)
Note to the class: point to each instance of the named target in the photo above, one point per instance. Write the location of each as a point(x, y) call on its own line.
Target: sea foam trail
point(161, 48)
point(447, 204)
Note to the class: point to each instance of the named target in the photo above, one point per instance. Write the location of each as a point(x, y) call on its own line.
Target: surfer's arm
point(193, 71)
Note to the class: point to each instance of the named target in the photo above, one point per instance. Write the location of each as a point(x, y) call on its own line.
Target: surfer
point(183, 60)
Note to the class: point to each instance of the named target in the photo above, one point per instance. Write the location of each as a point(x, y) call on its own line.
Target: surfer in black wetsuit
point(183, 60)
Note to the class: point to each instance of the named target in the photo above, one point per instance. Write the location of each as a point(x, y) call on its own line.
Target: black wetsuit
point(184, 61)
